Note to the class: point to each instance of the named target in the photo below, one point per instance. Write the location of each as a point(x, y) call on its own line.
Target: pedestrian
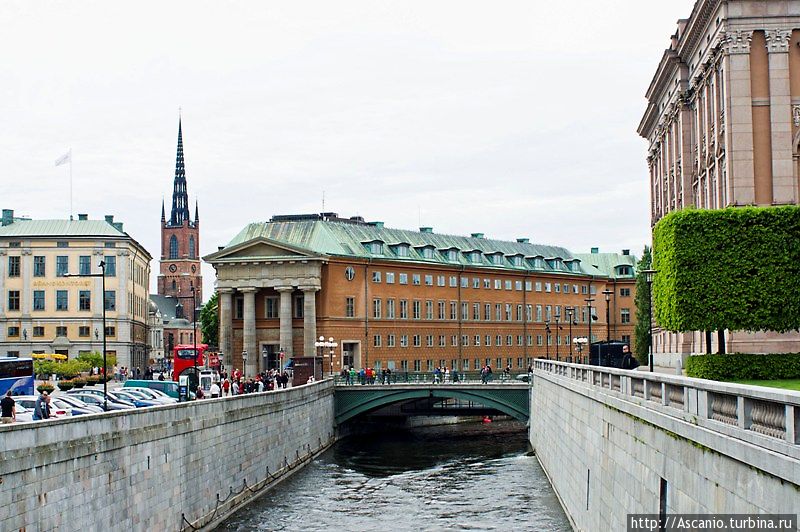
point(198, 394)
point(351, 376)
point(161, 376)
point(42, 408)
point(226, 387)
point(214, 390)
point(235, 388)
point(8, 409)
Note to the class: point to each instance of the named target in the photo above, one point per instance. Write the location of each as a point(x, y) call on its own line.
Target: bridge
point(510, 398)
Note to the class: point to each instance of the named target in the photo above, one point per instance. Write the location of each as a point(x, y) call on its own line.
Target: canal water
point(452, 477)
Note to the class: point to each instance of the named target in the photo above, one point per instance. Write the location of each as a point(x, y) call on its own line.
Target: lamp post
point(558, 335)
point(649, 276)
point(102, 275)
point(579, 343)
point(331, 345)
point(570, 312)
point(608, 293)
point(589, 339)
point(547, 340)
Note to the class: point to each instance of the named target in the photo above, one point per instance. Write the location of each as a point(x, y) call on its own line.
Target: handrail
point(428, 377)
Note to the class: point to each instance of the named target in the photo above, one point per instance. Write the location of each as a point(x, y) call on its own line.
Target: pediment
point(261, 248)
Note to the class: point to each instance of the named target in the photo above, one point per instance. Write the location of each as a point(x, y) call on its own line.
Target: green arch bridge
point(512, 399)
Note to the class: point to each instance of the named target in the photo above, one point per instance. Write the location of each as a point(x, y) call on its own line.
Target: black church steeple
point(180, 198)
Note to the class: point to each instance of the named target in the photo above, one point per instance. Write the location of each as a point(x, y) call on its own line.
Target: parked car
point(170, 388)
point(56, 411)
point(99, 394)
point(155, 395)
point(138, 399)
point(78, 407)
point(94, 400)
point(24, 415)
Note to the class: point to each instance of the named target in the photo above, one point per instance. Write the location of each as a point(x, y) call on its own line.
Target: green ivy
point(736, 268)
point(742, 366)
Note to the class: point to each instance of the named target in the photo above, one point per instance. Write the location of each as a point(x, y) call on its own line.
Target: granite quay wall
point(172, 467)
point(616, 442)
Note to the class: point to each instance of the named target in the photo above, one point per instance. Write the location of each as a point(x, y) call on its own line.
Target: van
point(168, 387)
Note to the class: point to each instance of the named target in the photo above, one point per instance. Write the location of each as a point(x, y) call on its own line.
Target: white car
point(155, 395)
point(23, 414)
point(56, 411)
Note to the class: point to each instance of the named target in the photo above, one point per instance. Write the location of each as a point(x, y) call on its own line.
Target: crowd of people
point(236, 384)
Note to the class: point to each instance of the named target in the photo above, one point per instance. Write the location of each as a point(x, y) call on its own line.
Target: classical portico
point(259, 280)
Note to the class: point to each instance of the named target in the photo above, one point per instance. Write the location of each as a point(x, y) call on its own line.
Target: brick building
point(408, 300)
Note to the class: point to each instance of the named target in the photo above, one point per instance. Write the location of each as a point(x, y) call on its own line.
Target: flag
point(64, 159)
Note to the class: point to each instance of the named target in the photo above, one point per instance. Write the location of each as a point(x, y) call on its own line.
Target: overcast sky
point(511, 118)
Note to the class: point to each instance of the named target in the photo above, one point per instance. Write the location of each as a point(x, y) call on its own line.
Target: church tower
point(180, 241)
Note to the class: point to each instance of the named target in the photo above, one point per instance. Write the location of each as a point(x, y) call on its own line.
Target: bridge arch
point(352, 401)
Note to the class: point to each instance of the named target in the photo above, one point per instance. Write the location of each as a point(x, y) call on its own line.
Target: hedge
point(736, 268)
point(743, 366)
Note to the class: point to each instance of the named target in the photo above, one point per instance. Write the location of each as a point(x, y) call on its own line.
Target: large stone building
point(723, 126)
point(43, 311)
point(408, 300)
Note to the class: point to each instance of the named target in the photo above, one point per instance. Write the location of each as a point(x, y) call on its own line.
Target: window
point(62, 244)
point(539, 340)
point(238, 309)
point(488, 340)
point(507, 284)
point(298, 306)
point(441, 310)
point(453, 281)
point(465, 340)
point(476, 283)
point(497, 258)
point(429, 310)
point(566, 288)
point(429, 280)
point(518, 285)
point(453, 310)
point(376, 248)
point(13, 300)
point(427, 252)
point(111, 331)
point(509, 340)
point(402, 250)
point(625, 270)
point(271, 308)
point(376, 309)
point(530, 340)
point(61, 330)
point(62, 300)
point(83, 331)
point(538, 313)
point(518, 261)
point(519, 312)
point(626, 338)
point(389, 277)
point(442, 340)
point(547, 287)
point(416, 309)
point(111, 265)
point(404, 340)
point(440, 280)
point(477, 340)
point(498, 340)
point(454, 340)
point(110, 299)
point(498, 312)
point(376, 277)
point(13, 266)
point(376, 340)
point(487, 312)
point(452, 255)
point(403, 309)
point(508, 312)
point(464, 311)
point(625, 315)
point(349, 307)
point(84, 265)
point(519, 339)
point(417, 365)
point(38, 331)
point(403, 278)
point(498, 284)
point(390, 309)
point(465, 282)
point(62, 265)
point(191, 247)
point(538, 286)
point(38, 300)
point(487, 283)
point(476, 311)
point(429, 340)
point(417, 340)
point(173, 247)
point(528, 312)
point(415, 279)
point(548, 313)
point(625, 292)
point(38, 266)
point(475, 256)
point(390, 340)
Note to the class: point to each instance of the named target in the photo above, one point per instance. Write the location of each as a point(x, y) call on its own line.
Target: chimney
point(626, 252)
point(523, 241)
point(83, 216)
point(110, 218)
point(220, 248)
point(426, 229)
point(118, 226)
point(595, 251)
point(477, 235)
point(379, 225)
point(8, 216)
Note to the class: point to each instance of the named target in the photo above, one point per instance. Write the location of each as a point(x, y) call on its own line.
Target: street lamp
point(102, 275)
point(649, 276)
point(579, 343)
point(570, 312)
point(329, 343)
point(608, 293)
point(589, 339)
point(558, 335)
point(547, 342)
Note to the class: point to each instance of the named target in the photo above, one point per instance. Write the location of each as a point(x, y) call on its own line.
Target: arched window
point(174, 285)
point(191, 247)
point(173, 247)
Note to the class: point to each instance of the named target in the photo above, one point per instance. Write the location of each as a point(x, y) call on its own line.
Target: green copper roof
point(337, 238)
point(60, 228)
point(606, 264)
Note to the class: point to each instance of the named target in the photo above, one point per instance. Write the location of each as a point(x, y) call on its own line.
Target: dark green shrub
point(79, 383)
point(45, 388)
point(743, 366)
point(65, 385)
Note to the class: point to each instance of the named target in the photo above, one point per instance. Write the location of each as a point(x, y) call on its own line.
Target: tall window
point(85, 300)
point(110, 300)
point(191, 247)
point(62, 265)
point(625, 315)
point(111, 265)
point(403, 309)
point(13, 266)
point(62, 300)
point(390, 309)
point(376, 308)
point(38, 300)
point(173, 247)
point(38, 266)
point(271, 306)
point(350, 307)
point(84, 264)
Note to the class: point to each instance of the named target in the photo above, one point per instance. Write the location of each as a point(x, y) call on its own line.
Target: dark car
point(95, 400)
point(612, 355)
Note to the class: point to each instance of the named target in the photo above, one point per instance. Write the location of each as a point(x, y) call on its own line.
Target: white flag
point(64, 159)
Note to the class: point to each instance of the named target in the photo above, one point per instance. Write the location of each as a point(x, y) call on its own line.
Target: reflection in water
point(455, 477)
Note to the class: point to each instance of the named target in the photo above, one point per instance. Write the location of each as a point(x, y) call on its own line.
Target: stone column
point(286, 320)
point(739, 119)
point(249, 331)
point(309, 319)
point(226, 325)
point(780, 101)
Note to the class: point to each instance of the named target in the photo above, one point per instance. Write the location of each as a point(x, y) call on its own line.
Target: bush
point(743, 366)
point(65, 385)
point(79, 383)
point(45, 388)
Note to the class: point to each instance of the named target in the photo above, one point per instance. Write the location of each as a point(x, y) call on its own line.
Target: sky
point(509, 118)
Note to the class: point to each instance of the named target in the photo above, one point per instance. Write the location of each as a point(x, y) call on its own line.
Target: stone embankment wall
point(159, 468)
point(619, 442)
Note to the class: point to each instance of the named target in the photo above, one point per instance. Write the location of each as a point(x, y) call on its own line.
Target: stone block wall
point(146, 469)
point(606, 458)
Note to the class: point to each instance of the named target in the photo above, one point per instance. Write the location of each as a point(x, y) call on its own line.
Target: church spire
point(180, 199)
point(196, 211)
point(163, 212)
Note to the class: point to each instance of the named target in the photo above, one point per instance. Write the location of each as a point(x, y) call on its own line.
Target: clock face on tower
point(173, 268)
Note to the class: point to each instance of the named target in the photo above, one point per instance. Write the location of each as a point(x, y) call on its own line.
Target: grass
point(787, 384)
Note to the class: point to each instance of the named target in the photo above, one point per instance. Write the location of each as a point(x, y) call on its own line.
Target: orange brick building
point(409, 300)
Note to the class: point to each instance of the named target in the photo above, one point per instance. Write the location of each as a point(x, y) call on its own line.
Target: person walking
point(226, 387)
point(42, 408)
point(8, 408)
point(214, 390)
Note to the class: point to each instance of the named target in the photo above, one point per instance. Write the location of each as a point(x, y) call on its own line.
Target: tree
point(642, 331)
point(209, 320)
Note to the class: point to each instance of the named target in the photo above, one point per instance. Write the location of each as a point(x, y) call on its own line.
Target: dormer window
point(376, 248)
point(518, 260)
point(497, 258)
point(427, 252)
point(452, 255)
point(401, 250)
point(538, 263)
point(624, 270)
point(475, 257)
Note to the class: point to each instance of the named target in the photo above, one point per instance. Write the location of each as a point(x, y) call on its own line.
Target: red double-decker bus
point(184, 360)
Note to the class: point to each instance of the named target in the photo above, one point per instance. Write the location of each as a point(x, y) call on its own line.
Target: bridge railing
point(763, 416)
point(429, 377)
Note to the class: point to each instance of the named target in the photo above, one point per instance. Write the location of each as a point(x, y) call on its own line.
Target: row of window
point(466, 364)
point(62, 300)
point(62, 265)
point(61, 330)
point(173, 248)
point(499, 340)
point(418, 279)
